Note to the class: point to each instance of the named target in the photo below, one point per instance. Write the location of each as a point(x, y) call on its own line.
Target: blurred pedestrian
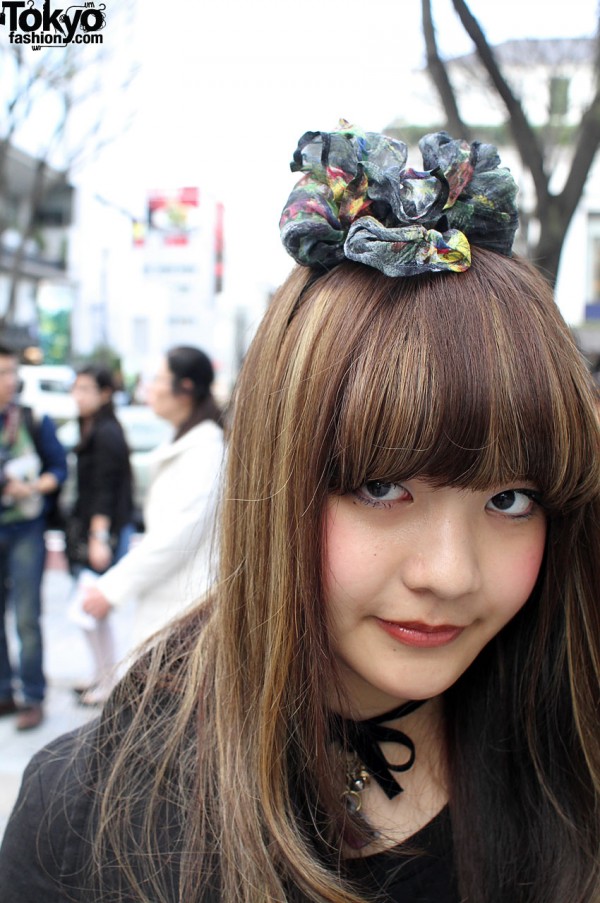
point(100, 526)
point(32, 468)
point(169, 568)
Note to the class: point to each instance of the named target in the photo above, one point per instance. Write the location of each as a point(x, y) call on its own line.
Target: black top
point(418, 871)
point(46, 844)
point(104, 484)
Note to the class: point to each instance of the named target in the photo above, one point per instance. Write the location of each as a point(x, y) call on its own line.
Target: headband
point(357, 201)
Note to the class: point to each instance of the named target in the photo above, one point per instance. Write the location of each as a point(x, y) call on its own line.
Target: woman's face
point(419, 579)
point(88, 397)
point(171, 406)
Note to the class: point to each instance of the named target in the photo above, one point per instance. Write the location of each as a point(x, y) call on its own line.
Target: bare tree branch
point(586, 148)
point(524, 136)
point(439, 74)
point(554, 212)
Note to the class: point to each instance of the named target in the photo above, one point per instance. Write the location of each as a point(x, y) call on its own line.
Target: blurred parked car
point(143, 431)
point(47, 389)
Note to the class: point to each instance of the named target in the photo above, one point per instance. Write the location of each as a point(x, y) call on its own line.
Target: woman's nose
point(443, 560)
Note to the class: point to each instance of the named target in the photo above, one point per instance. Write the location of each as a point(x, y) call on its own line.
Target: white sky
point(227, 87)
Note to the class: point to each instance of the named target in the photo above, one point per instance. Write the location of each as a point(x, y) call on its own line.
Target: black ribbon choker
point(363, 738)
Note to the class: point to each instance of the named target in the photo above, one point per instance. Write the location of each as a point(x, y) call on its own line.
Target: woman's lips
point(413, 633)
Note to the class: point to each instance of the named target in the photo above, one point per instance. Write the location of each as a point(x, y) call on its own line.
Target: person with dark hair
point(391, 692)
point(32, 468)
point(169, 567)
point(100, 526)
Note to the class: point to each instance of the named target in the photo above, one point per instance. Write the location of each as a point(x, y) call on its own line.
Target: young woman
point(392, 691)
point(169, 568)
point(100, 526)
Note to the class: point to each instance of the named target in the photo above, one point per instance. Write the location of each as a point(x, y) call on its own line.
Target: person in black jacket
point(99, 529)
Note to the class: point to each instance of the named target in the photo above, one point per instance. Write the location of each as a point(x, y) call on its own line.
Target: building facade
point(36, 288)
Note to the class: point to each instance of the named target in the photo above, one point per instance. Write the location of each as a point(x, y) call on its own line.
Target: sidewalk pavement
point(66, 663)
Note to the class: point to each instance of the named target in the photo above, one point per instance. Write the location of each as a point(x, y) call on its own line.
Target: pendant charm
point(357, 778)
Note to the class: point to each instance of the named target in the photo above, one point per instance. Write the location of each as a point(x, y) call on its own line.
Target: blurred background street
point(67, 663)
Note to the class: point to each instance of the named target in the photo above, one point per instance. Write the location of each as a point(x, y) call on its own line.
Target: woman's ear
point(185, 387)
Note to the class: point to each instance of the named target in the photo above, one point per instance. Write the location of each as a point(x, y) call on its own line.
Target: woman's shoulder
point(62, 765)
point(205, 438)
point(109, 433)
point(206, 433)
point(45, 833)
point(107, 423)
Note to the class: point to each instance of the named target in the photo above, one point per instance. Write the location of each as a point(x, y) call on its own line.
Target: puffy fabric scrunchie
point(358, 201)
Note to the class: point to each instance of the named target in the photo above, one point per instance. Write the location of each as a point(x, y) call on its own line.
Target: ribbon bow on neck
point(363, 738)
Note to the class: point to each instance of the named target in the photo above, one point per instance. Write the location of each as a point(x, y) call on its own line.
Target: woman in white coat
point(170, 567)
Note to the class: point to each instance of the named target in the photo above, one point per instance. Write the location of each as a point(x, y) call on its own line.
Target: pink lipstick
point(414, 633)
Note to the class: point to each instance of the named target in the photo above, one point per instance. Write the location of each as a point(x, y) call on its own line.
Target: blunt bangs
point(425, 380)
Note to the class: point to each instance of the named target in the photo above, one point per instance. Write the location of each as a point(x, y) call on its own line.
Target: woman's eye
point(376, 491)
point(514, 502)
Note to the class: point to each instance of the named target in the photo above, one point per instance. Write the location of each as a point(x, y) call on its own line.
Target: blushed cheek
point(343, 565)
point(524, 575)
point(340, 572)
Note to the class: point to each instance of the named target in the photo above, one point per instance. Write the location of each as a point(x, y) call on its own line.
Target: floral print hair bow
point(356, 200)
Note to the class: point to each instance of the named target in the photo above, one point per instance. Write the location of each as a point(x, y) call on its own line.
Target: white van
point(47, 389)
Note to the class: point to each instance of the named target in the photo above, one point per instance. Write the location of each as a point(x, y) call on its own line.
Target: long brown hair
point(222, 729)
